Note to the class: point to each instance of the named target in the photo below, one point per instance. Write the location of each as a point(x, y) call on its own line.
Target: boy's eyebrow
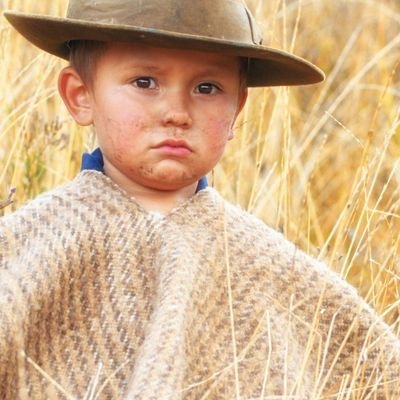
point(136, 64)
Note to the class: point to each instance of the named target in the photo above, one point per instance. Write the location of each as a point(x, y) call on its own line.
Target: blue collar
point(94, 161)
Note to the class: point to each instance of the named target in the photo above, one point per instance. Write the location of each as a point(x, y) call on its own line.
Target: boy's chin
point(167, 179)
point(173, 185)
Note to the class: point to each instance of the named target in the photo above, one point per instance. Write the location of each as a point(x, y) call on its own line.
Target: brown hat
point(223, 26)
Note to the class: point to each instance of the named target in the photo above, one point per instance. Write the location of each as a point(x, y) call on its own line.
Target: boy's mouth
point(173, 147)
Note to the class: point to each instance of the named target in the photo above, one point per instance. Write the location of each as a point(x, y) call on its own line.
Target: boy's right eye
point(145, 83)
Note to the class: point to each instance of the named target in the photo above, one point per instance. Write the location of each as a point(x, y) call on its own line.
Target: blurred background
point(318, 163)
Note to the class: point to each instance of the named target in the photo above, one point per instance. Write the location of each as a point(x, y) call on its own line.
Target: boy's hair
point(83, 57)
point(85, 53)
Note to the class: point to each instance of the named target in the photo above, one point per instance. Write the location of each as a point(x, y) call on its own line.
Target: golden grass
point(319, 163)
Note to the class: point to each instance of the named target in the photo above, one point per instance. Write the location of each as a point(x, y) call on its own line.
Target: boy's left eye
point(207, 88)
point(145, 82)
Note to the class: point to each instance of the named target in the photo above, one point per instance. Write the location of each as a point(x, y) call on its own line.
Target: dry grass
point(319, 163)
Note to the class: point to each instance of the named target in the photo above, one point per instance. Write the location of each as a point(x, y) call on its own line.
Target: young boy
point(135, 280)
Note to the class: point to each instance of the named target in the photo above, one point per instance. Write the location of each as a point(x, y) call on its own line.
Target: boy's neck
point(152, 200)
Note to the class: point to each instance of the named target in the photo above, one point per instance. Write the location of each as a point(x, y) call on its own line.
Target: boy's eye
point(207, 88)
point(145, 83)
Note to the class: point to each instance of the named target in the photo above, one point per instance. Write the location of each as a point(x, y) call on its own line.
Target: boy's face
point(163, 116)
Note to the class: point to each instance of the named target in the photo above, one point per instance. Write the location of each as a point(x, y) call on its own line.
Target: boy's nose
point(178, 118)
point(176, 113)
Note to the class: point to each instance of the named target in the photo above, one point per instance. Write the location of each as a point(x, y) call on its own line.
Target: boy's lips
point(173, 147)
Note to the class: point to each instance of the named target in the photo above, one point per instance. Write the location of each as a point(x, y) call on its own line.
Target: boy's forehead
point(138, 53)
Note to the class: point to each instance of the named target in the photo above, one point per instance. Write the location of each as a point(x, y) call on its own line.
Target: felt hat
point(223, 26)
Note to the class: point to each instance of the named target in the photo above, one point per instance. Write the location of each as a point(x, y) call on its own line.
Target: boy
point(136, 281)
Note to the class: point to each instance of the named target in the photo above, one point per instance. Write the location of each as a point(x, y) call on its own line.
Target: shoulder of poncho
point(293, 265)
point(255, 236)
point(251, 228)
point(239, 217)
point(79, 193)
point(53, 196)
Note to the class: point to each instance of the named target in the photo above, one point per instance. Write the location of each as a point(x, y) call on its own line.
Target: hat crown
point(218, 19)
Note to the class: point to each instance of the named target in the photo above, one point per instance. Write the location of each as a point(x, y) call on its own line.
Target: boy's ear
point(76, 96)
point(241, 102)
point(242, 98)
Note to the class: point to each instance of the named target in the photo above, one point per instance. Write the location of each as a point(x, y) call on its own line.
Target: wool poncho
point(100, 299)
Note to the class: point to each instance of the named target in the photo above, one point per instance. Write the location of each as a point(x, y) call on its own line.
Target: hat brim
point(267, 67)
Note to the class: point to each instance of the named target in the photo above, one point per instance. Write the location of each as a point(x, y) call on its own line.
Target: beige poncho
point(100, 299)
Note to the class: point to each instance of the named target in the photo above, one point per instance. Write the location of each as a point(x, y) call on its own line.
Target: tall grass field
point(318, 163)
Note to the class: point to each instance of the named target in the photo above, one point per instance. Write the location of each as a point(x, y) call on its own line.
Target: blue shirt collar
point(94, 161)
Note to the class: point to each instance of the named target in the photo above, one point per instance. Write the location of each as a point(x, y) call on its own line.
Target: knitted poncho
point(101, 299)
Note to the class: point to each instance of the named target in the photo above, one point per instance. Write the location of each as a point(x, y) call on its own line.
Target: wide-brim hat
point(221, 26)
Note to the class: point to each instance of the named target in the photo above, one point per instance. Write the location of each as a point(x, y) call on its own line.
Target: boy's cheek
point(123, 130)
point(220, 126)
